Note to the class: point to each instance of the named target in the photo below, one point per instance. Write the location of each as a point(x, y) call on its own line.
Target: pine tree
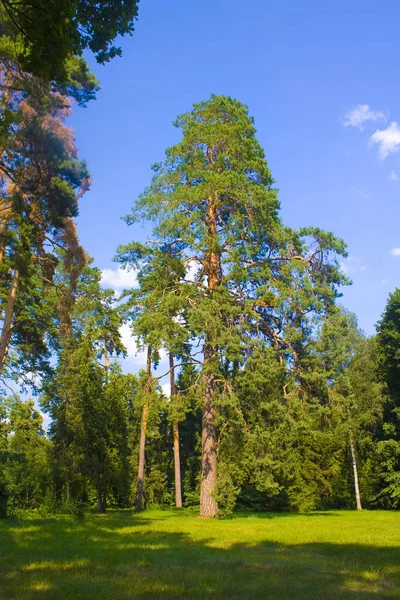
point(213, 203)
point(41, 183)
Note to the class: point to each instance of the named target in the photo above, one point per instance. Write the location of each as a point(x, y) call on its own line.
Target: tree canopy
point(278, 401)
point(47, 34)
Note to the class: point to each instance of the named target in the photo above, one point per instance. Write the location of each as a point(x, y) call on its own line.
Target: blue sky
point(323, 83)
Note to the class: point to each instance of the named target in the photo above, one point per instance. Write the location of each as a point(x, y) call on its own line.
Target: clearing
point(171, 555)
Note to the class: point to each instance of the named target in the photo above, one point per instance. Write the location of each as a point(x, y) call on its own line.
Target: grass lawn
point(166, 555)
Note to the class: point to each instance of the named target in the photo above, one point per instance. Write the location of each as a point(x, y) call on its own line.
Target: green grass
point(166, 555)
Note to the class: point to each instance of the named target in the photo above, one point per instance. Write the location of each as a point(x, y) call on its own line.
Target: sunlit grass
point(166, 555)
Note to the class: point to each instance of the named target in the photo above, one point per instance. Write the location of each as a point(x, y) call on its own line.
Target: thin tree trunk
point(7, 325)
point(142, 443)
point(106, 363)
point(3, 246)
point(208, 485)
point(101, 500)
point(355, 471)
point(175, 427)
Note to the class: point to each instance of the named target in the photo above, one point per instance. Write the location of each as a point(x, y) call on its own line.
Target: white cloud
point(361, 114)
point(395, 252)
point(388, 140)
point(129, 341)
point(118, 278)
point(166, 388)
point(393, 176)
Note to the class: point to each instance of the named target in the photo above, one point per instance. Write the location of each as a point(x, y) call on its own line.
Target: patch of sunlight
point(41, 586)
point(359, 585)
point(51, 565)
point(150, 546)
point(120, 531)
point(23, 530)
point(393, 569)
point(370, 575)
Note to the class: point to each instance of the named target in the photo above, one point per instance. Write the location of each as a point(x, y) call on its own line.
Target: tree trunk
point(208, 505)
point(175, 427)
point(355, 471)
point(106, 363)
point(101, 500)
point(7, 325)
point(142, 443)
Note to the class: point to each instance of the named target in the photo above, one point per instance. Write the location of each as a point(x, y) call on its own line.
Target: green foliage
point(388, 459)
point(226, 493)
point(27, 470)
point(221, 272)
point(245, 307)
point(42, 181)
point(389, 346)
point(89, 403)
point(156, 488)
point(46, 34)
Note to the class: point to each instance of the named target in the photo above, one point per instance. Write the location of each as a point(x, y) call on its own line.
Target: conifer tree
point(212, 201)
point(388, 339)
point(156, 312)
point(41, 182)
point(79, 395)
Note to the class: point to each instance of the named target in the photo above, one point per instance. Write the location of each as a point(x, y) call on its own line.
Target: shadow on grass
point(119, 556)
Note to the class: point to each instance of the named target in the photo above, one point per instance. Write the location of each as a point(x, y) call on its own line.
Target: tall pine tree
point(212, 201)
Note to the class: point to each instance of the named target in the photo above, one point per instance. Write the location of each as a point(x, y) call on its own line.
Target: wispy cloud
point(118, 279)
point(393, 176)
point(395, 252)
point(361, 114)
point(359, 192)
point(388, 140)
point(353, 264)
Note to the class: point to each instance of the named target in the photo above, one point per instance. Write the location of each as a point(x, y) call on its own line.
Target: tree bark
point(175, 428)
point(208, 485)
point(7, 325)
point(142, 443)
point(208, 505)
point(355, 470)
